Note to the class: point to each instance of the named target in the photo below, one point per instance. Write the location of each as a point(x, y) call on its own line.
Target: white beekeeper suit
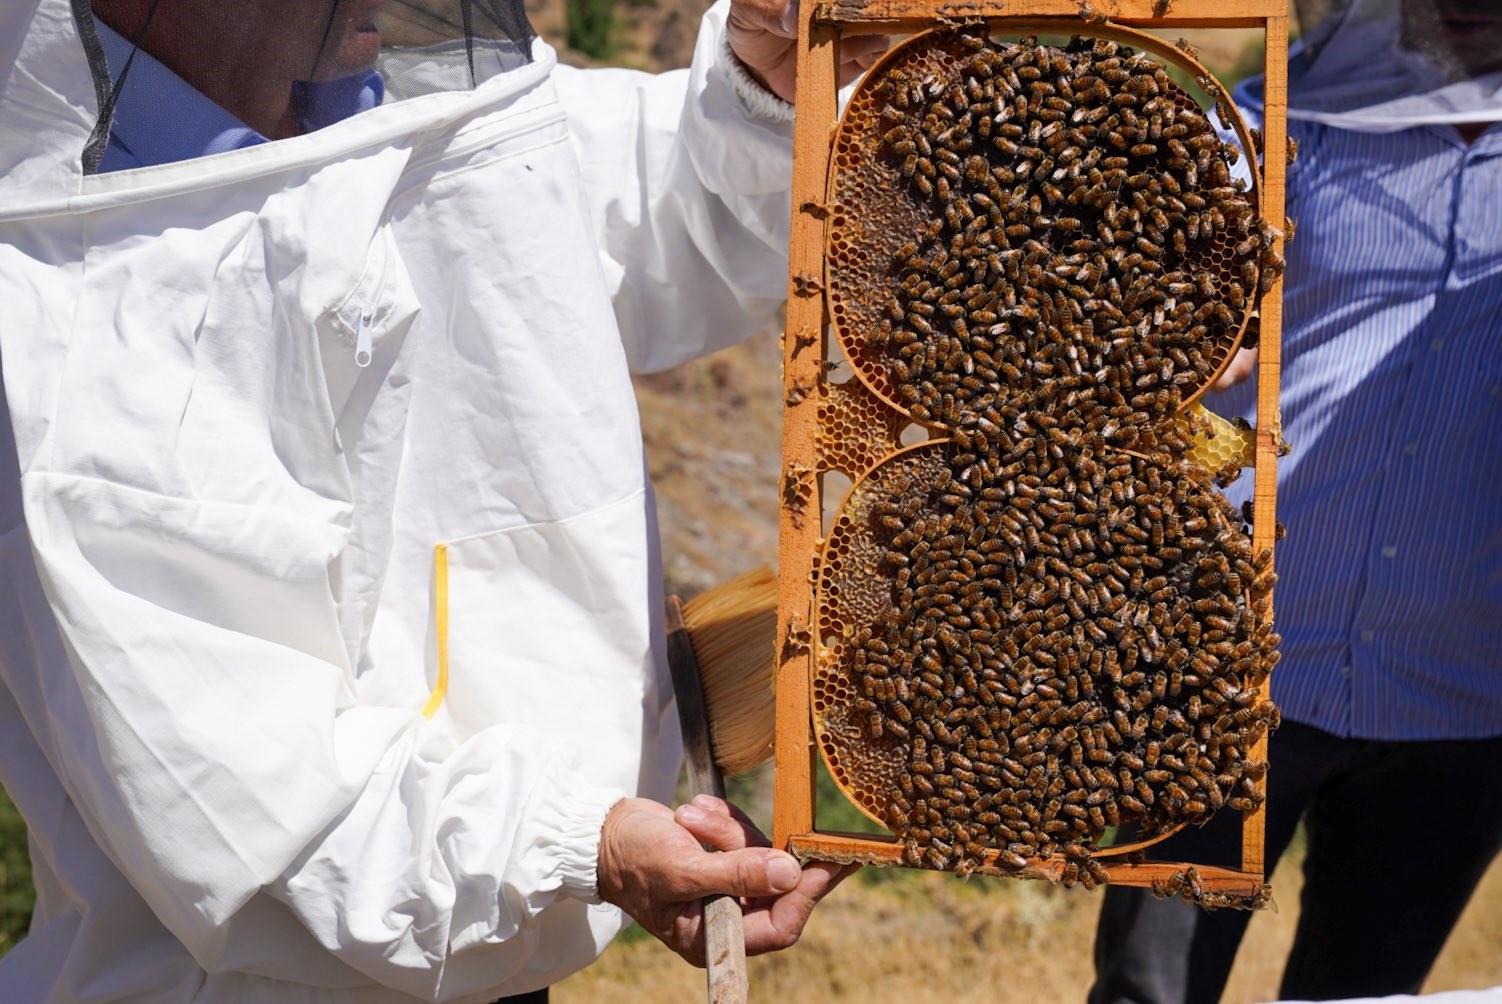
point(328, 593)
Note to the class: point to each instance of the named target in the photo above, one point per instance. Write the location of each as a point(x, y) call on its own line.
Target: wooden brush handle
point(724, 935)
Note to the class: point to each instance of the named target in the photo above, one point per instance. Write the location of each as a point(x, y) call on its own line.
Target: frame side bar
point(803, 370)
point(1269, 363)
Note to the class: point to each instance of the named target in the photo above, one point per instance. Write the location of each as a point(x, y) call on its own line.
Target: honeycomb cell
point(855, 428)
point(1218, 442)
point(852, 592)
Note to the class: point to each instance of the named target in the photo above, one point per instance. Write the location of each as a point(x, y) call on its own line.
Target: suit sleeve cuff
point(579, 842)
point(760, 102)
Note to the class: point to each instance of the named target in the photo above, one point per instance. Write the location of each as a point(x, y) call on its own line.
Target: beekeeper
point(330, 658)
point(1389, 597)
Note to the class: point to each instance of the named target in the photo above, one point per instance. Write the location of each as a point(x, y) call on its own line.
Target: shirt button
point(1409, 449)
point(1389, 550)
point(1345, 671)
point(1368, 636)
point(1437, 344)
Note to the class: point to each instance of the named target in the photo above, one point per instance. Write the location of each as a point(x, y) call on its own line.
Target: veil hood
point(1358, 68)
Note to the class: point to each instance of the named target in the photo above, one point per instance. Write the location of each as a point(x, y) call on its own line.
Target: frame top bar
point(1185, 13)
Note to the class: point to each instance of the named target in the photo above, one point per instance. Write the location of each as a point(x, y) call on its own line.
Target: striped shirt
point(159, 118)
point(1389, 595)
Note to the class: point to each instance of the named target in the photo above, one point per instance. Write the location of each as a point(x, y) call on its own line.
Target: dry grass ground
point(922, 938)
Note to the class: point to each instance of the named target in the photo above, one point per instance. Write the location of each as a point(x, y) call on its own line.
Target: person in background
point(1389, 595)
point(330, 644)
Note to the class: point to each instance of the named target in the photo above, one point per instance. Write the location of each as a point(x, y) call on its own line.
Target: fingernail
point(691, 814)
point(705, 801)
point(783, 873)
point(788, 22)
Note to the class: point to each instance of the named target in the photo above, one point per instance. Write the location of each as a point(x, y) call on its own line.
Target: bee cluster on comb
point(1066, 630)
point(1081, 245)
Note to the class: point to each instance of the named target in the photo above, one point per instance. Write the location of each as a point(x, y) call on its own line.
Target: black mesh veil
point(1458, 39)
point(418, 23)
point(1385, 65)
point(421, 36)
point(425, 45)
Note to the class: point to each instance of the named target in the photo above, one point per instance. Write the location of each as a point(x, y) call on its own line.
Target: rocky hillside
point(650, 34)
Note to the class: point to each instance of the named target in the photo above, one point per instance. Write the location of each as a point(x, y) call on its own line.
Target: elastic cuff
point(759, 101)
point(579, 842)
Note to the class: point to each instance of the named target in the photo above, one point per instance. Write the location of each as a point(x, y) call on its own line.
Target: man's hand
point(1242, 366)
point(653, 865)
point(764, 37)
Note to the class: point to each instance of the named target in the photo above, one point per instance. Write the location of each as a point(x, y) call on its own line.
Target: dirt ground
point(924, 938)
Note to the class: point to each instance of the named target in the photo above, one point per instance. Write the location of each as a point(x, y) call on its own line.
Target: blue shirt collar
point(159, 118)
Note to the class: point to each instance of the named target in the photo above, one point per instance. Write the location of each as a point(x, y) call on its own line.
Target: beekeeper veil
point(423, 45)
point(60, 75)
point(1384, 65)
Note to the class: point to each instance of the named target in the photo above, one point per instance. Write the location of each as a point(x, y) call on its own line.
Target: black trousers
point(535, 997)
point(1399, 833)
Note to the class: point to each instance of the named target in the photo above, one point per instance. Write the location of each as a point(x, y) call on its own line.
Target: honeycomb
point(1017, 635)
point(1047, 623)
point(853, 591)
point(1218, 444)
point(855, 429)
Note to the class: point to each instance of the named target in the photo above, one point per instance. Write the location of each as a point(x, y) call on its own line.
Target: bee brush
point(733, 629)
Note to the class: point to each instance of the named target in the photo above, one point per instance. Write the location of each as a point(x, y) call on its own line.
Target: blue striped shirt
point(159, 118)
point(1389, 594)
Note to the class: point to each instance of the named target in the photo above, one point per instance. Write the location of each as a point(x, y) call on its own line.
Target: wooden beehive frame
point(805, 352)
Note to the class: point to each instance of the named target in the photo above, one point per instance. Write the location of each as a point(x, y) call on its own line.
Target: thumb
point(777, 17)
point(753, 872)
point(787, 20)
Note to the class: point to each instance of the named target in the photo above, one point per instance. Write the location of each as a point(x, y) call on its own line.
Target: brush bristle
point(733, 629)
